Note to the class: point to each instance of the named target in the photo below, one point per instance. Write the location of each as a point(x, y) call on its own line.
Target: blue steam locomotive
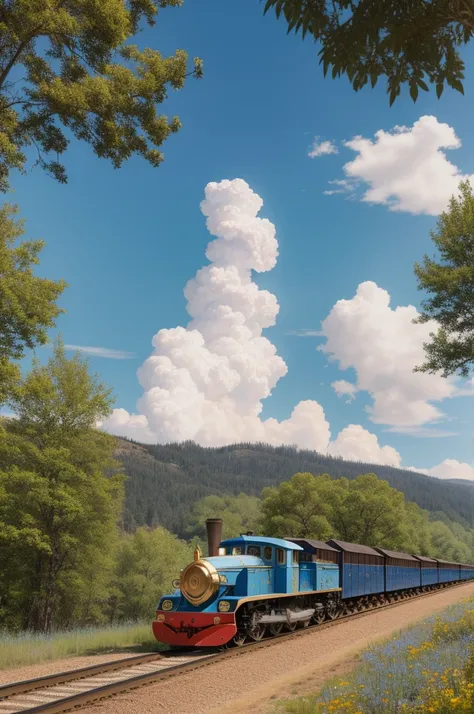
point(253, 586)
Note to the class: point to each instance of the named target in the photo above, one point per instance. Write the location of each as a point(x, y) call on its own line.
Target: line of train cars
point(253, 586)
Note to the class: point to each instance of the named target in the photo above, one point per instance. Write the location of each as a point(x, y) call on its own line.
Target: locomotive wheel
point(239, 638)
point(256, 632)
point(291, 626)
point(276, 628)
point(332, 611)
point(319, 616)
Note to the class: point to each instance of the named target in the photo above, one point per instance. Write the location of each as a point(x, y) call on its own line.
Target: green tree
point(66, 69)
point(363, 510)
point(58, 502)
point(450, 283)
point(297, 508)
point(27, 302)
point(371, 513)
point(239, 514)
point(147, 563)
point(446, 546)
point(417, 528)
point(407, 42)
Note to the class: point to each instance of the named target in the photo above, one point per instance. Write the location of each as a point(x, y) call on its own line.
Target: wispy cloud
point(322, 148)
point(421, 432)
point(103, 352)
point(344, 186)
point(306, 333)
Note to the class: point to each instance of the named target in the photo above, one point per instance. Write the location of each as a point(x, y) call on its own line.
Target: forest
point(163, 481)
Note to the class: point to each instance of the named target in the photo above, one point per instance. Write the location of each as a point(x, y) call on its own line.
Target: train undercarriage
point(258, 619)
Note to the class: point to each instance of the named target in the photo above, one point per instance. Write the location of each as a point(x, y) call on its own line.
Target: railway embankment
point(256, 679)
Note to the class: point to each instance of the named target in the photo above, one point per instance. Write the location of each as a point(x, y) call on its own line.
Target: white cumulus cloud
point(322, 148)
point(383, 346)
point(406, 168)
point(449, 468)
point(357, 444)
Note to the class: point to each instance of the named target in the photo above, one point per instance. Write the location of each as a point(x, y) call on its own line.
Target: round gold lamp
point(199, 581)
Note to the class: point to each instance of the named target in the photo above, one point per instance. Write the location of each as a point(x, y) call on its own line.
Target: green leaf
point(457, 85)
point(414, 92)
point(394, 92)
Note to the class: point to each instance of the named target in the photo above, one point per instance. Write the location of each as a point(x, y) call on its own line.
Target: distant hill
point(165, 480)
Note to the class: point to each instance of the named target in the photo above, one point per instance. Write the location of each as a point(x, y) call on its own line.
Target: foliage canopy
point(65, 68)
point(27, 302)
point(147, 562)
point(364, 510)
point(58, 506)
point(450, 283)
point(407, 41)
point(239, 514)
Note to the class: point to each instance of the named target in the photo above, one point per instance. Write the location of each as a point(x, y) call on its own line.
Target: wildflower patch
point(427, 668)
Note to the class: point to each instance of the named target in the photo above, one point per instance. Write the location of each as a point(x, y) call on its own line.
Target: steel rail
point(29, 685)
point(92, 695)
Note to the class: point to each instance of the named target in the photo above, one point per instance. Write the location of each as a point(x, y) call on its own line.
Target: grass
point(29, 648)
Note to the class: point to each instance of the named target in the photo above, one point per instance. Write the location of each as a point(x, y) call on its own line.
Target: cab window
point(295, 556)
point(281, 556)
point(267, 552)
point(254, 550)
point(237, 550)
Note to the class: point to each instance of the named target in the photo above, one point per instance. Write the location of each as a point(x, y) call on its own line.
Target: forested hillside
point(164, 481)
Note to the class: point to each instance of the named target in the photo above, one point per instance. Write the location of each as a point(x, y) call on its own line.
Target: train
point(251, 586)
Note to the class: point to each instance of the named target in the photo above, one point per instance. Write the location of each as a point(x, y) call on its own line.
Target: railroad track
point(76, 688)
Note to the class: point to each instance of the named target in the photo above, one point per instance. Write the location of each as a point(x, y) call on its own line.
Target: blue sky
point(127, 241)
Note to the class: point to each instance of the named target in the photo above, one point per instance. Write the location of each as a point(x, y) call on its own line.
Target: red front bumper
point(194, 629)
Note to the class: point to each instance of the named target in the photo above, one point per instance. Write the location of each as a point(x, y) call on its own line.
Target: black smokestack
point(214, 535)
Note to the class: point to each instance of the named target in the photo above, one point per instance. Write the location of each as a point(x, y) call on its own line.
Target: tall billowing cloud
point(383, 346)
point(405, 169)
point(206, 381)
